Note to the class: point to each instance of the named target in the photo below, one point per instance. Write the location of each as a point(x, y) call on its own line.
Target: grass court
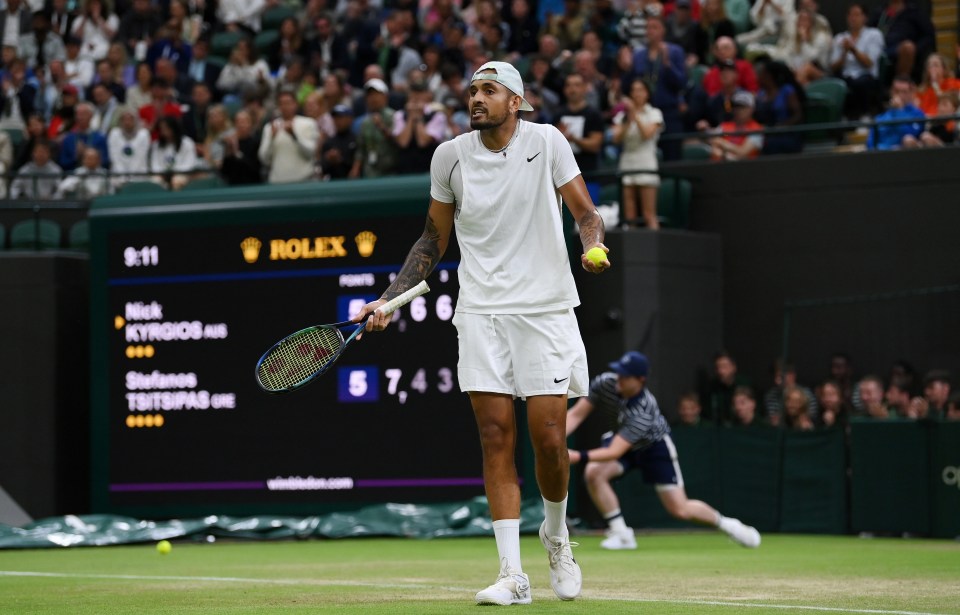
point(670, 573)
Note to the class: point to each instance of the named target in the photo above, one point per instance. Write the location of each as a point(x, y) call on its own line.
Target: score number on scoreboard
point(359, 383)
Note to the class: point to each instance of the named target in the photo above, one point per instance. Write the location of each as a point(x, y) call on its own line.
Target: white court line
point(143, 577)
point(348, 583)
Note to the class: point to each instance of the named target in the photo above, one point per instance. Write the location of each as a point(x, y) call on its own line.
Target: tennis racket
point(303, 356)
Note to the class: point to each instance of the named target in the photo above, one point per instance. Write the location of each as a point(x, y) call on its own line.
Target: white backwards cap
point(507, 76)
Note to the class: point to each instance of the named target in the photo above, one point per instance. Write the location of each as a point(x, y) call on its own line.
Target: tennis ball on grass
point(164, 547)
point(596, 255)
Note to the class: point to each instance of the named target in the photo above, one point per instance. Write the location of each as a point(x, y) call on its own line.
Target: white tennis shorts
point(522, 354)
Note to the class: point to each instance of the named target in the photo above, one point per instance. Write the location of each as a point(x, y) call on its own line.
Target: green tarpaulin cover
point(471, 518)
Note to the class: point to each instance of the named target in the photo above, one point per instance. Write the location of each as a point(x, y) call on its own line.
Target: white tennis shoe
point(619, 541)
point(511, 587)
point(743, 534)
point(565, 577)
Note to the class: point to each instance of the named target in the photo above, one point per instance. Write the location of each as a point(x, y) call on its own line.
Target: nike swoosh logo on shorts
point(530, 159)
point(555, 381)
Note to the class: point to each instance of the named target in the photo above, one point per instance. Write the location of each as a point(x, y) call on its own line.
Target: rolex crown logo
point(365, 241)
point(251, 249)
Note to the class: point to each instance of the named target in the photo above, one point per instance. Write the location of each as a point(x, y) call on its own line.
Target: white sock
point(615, 522)
point(507, 533)
point(555, 517)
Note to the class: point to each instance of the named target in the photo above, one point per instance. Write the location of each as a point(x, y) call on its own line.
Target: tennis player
point(503, 186)
point(642, 441)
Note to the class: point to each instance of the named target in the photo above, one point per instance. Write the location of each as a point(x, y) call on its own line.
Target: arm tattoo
point(423, 257)
point(591, 228)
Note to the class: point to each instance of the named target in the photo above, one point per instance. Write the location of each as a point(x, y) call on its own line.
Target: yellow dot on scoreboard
point(148, 351)
point(118, 322)
point(140, 420)
point(158, 420)
point(131, 421)
point(131, 352)
point(148, 420)
point(138, 352)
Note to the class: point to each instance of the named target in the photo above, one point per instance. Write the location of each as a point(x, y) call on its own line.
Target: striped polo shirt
point(638, 418)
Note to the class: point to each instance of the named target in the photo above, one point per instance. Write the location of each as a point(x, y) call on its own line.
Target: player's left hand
point(595, 267)
point(574, 456)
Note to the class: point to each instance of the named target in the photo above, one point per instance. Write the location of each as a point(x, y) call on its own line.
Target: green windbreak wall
point(904, 477)
point(771, 479)
point(945, 479)
point(889, 463)
point(814, 483)
point(750, 465)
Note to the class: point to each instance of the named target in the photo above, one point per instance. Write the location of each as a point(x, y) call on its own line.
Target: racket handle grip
point(404, 298)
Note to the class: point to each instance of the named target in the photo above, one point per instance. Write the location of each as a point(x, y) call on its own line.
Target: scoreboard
point(183, 313)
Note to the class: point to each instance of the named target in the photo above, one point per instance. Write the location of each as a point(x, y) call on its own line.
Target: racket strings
point(300, 357)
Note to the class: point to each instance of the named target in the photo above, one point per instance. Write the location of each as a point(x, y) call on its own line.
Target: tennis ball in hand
point(164, 547)
point(596, 255)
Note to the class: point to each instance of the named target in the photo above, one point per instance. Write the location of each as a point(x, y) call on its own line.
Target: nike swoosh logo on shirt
point(555, 381)
point(530, 159)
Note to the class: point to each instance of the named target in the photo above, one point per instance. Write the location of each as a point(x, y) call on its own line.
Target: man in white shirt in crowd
point(855, 58)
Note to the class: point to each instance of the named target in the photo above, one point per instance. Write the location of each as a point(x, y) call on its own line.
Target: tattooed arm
point(578, 201)
point(421, 260)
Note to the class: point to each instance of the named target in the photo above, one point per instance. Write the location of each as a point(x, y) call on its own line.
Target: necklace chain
point(503, 150)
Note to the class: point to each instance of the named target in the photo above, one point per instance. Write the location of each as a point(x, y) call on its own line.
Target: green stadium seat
point(696, 151)
point(78, 237)
point(695, 75)
point(265, 40)
point(16, 138)
point(825, 101)
point(232, 105)
point(673, 202)
point(205, 183)
point(522, 64)
point(825, 98)
point(609, 193)
point(140, 187)
point(222, 43)
point(32, 234)
point(273, 17)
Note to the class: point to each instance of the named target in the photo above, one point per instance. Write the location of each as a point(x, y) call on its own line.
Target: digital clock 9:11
point(141, 257)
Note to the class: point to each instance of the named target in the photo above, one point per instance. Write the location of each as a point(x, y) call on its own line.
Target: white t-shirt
point(870, 43)
point(128, 155)
point(513, 257)
point(164, 158)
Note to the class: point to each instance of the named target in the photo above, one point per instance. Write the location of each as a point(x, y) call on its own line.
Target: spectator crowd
point(728, 397)
point(95, 93)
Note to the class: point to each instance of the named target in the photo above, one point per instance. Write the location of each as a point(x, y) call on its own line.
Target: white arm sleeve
point(441, 168)
point(564, 164)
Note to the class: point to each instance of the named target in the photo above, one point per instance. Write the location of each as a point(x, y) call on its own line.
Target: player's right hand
point(378, 320)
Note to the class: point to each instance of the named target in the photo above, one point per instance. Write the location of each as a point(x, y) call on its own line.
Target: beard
point(487, 121)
